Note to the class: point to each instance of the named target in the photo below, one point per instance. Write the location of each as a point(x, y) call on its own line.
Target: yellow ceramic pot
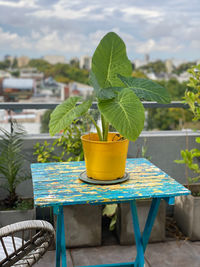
point(105, 160)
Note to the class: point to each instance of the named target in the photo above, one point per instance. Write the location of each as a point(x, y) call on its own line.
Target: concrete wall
point(162, 148)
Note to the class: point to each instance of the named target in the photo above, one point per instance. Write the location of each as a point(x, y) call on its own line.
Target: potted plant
point(118, 97)
point(13, 208)
point(187, 208)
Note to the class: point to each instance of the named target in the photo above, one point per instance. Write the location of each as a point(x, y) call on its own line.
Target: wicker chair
point(15, 250)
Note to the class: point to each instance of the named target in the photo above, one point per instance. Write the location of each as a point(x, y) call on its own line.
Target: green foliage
point(146, 89)
point(65, 113)
point(156, 67)
point(173, 118)
point(138, 74)
point(11, 162)
point(15, 63)
point(4, 64)
point(189, 157)
point(118, 105)
point(61, 72)
point(129, 109)
point(15, 73)
point(167, 119)
point(175, 88)
point(44, 128)
point(40, 64)
point(110, 59)
point(183, 67)
point(67, 147)
point(110, 210)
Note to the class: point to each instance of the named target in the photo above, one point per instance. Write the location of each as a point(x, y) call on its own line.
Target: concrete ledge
point(82, 225)
point(125, 231)
point(187, 216)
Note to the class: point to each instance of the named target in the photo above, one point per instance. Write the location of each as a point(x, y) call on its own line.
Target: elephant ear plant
point(117, 93)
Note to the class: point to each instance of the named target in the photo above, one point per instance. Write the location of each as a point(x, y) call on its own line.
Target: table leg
point(60, 237)
point(142, 240)
point(150, 221)
point(139, 262)
point(63, 246)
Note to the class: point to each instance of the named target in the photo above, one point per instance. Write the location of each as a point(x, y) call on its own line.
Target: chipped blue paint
point(58, 184)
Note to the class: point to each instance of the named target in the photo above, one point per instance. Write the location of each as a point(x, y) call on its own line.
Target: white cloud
point(20, 4)
point(166, 44)
point(132, 11)
point(13, 40)
point(68, 42)
point(64, 10)
point(76, 27)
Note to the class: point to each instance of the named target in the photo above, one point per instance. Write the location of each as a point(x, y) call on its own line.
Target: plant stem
point(96, 126)
point(105, 127)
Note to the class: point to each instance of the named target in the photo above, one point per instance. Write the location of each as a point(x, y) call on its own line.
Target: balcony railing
point(17, 106)
point(162, 147)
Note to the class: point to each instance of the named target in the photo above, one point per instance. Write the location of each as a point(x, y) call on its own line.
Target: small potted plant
point(13, 208)
point(187, 208)
point(118, 97)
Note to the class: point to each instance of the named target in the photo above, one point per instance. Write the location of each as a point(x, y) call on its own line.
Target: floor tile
point(172, 254)
point(103, 255)
point(48, 259)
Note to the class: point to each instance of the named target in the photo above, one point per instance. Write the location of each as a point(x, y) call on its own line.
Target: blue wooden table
point(57, 184)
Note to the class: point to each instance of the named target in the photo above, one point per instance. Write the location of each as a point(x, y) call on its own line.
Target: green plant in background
point(67, 147)
point(192, 98)
point(11, 163)
point(117, 93)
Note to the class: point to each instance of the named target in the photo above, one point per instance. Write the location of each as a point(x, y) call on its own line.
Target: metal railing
point(17, 105)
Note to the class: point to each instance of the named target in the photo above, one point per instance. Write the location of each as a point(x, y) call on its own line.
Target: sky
point(161, 28)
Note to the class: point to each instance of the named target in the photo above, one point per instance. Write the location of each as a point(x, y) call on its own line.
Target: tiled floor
point(166, 254)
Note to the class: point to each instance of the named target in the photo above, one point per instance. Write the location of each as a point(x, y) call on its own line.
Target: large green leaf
point(65, 113)
point(146, 89)
point(103, 93)
point(110, 59)
point(125, 113)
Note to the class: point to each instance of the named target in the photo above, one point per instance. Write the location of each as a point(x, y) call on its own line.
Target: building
point(5, 74)
point(32, 73)
point(14, 89)
point(10, 58)
point(86, 62)
point(169, 66)
point(22, 61)
point(54, 59)
point(80, 89)
point(74, 61)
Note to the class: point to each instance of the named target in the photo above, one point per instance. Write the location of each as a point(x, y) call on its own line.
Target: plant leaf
point(146, 89)
point(93, 81)
point(125, 112)
point(64, 114)
point(110, 59)
point(103, 93)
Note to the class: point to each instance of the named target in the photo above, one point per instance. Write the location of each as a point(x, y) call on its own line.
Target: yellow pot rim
point(101, 142)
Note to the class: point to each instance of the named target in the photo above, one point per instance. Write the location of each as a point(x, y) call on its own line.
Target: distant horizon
point(35, 28)
point(142, 58)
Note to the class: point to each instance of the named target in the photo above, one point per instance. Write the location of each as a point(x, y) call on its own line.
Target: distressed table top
point(58, 184)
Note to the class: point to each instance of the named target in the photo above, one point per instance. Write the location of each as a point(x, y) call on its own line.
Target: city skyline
point(163, 30)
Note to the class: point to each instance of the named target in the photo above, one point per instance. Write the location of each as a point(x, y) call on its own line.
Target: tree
point(183, 67)
point(14, 64)
point(172, 118)
point(61, 72)
point(156, 67)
